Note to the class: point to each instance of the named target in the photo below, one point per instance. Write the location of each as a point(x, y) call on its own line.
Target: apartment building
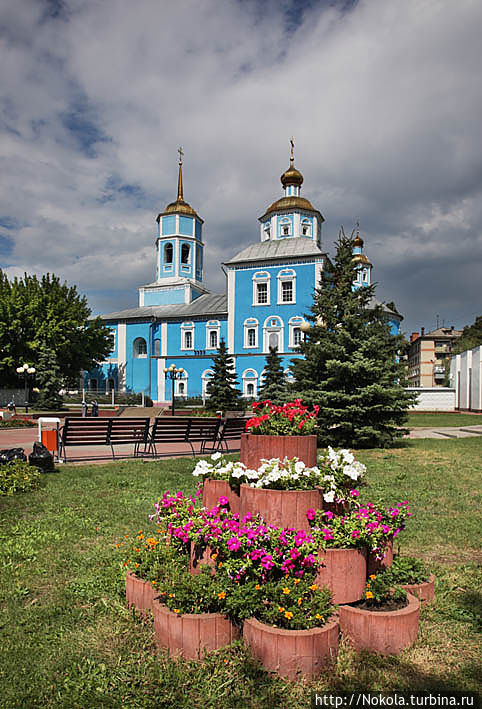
point(428, 354)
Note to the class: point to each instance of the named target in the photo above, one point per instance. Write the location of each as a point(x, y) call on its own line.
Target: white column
point(231, 309)
point(121, 355)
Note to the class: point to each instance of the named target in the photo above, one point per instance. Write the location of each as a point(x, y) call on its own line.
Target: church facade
point(178, 321)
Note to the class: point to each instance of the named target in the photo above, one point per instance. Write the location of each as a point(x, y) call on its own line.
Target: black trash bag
point(42, 458)
point(10, 454)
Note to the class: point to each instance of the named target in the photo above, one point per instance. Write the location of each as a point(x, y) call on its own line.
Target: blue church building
point(179, 321)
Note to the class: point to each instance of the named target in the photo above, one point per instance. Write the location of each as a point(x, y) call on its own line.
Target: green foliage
point(350, 365)
point(380, 590)
point(408, 569)
point(193, 593)
point(37, 313)
point(223, 395)
point(48, 380)
point(17, 423)
point(471, 337)
point(274, 386)
point(18, 476)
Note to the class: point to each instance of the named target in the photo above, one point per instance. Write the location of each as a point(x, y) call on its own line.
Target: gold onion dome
point(358, 242)
point(292, 176)
point(361, 258)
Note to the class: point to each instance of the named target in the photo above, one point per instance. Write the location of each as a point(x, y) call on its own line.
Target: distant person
point(95, 408)
point(11, 407)
point(84, 408)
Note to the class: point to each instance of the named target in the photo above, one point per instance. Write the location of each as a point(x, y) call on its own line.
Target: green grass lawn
point(67, 639)
point(434, 420)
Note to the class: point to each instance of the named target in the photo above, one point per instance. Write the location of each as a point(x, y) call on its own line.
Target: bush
point(18, 476)
point(17, 423)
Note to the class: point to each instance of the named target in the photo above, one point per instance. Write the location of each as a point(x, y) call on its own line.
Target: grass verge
point(68, 640)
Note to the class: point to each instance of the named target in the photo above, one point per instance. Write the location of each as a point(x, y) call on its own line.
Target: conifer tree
point(223, 394)
point(274, 386)
point(49, 380)
point(350, 366)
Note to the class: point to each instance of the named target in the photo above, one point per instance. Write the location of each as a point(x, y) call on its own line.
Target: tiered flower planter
point(214, 489)
point(425, 592)
point(254, 448)
point(289, 652)
point(344, 572)
point(283, 508)
point(140, 594)
point(375, 565)
point(385, 632)
point(191, 635)
point(196, 562)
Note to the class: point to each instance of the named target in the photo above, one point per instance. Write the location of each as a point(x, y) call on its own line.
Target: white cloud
point(384, 102)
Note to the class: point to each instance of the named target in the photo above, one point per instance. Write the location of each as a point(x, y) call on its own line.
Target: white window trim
point(250, 376)
point(135, 354)
point(285, 222)
point(294, 322)
point(306, 223)
point(261, 277)
point(268, 329)
point(206, 377)
point(187, 327)
point(286, 274)
point(212, 326)
point(251, 324)
point(184, 380)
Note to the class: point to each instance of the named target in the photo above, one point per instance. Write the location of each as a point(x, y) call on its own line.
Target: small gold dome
point(288, 203)
point(179, 207)
point(292, 176)
point(361, 258)
point(358, 241)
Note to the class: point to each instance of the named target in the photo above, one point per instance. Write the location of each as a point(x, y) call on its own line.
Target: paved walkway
point(25, 437)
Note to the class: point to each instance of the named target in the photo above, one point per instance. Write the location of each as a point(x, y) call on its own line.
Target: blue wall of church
point(159, 297)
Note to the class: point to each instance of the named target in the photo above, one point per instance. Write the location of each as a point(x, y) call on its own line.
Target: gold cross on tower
point(179, 150)
point(292, 154)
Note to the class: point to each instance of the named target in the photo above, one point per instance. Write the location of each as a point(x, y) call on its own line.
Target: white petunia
point(216, 456)
point(329, 496)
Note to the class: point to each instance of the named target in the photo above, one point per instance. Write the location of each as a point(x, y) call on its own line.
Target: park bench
point(231, 430)
point(103, 432)
point(170, 429)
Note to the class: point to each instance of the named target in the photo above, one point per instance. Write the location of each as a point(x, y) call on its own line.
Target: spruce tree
point(350, 366)
point(274, 386)
point(49, 380)
point(223, 394)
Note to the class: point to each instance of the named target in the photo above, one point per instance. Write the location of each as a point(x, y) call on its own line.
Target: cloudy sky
point(383, 97)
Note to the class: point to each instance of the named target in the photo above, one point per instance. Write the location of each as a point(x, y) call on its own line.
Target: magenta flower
point(327, 533)
point(267, 562)
point(354, 493)
point(355, 534)
point(223, 501)
point(328, 514)
point(233, 544)
point(310, 514)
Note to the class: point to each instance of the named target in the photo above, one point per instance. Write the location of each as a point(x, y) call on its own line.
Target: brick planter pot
point(140, 594)
point(385, 632)
point(374, 565)
point(344, 572)
point(425, 591)
point(289, 652)
point(283, 508)
point(191, 635)
point(254, 448)
point(214, 489)
point(196, 561)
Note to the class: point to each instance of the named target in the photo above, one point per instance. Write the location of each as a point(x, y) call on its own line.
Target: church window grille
point(306, 227)
point(157, 347)
point(287, 291)
point(187, 336)
point(285, 227)
point(213, 339)
point(188, 340)
point(213, 330)
point(250, 383)
point(273, 334)
point(251, 332)
point(261, 294)
point(295, 334)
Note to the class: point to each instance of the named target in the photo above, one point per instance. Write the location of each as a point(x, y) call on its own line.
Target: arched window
point(250, 332)
point(139, 347)
point(206, 378)
point(212, 334)
point(187, 336)
point(285, 227)
point(93, 384)
point(185, 251)
point(266, 230)
point(306, 227)
point(157, 347)
point(295, 334)
point(250, 383)
point(180, 386)
point(273, 334)
point(168, 253)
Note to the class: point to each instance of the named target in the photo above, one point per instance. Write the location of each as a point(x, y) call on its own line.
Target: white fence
point(466, 376)
point(434, 398)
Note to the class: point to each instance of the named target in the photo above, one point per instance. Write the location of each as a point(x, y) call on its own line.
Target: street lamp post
point(173, 373)
point(26, 371)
